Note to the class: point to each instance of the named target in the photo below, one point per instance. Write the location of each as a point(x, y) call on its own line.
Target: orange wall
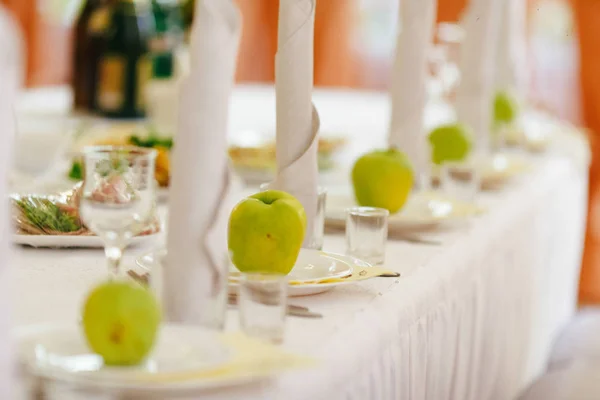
point(48, 46)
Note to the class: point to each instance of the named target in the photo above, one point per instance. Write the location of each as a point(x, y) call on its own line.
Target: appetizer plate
point(65, 241)
point(307, 277)
point(184, 358)
point(423, 211)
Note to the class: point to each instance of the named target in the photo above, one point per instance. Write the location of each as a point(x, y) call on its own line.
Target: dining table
point(472, 316)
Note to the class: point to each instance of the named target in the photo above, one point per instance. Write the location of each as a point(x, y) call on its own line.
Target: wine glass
point(118, 196)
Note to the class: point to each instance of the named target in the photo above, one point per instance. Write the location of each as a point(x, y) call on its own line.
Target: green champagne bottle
point(169, 35)
point(126, 64)
point(89, 31)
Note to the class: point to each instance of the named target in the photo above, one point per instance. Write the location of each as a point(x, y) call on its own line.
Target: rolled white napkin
point(297, 120)
point(511, 59)
point(11, 67)
point(477, 68)
point(198, 209)
point(409, 80)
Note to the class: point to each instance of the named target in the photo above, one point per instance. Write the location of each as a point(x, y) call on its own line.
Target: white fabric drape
point(474, 318)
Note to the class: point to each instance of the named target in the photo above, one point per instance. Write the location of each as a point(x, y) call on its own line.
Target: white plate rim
point(66, 241)
point(294, 290)
point(336, 218)
point(338, 258)
point(139, 387)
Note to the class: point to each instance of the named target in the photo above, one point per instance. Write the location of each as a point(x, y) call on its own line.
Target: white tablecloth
point(472, 319)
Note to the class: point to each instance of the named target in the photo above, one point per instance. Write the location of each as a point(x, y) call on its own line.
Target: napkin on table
point(11, 67)
point(198, 201)
point(477, 68)
point(511, 59)
point(297, 121)
point(409, 79)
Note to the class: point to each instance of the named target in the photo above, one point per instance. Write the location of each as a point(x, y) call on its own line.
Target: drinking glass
point(118, 196)
point(461, 180)
point(366, 233)
point(262, 301)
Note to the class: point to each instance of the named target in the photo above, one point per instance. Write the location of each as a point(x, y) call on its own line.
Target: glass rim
point(363, 211)
point(135, 151)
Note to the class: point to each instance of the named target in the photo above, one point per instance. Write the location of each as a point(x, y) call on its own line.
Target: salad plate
point(315, 271)
point(184, 358)
point(423, 211)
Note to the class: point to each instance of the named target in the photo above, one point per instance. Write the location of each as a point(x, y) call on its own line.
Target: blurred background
point(354, 42)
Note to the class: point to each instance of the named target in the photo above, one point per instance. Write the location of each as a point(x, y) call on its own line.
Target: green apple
point(450, 142)
point(120, 322)
point(266, 231)
point(382, 178)
point(506, 108)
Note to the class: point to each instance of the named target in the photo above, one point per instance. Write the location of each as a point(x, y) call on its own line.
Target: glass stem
point(114, 252)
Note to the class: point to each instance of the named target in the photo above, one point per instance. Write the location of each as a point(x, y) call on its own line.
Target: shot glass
point(318, 232)
point(262, 302)
point(461, 180)
point(366, 233)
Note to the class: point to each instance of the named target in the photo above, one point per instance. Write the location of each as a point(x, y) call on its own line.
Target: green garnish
point(76, 172)
point(47, 216)
point(153, 140)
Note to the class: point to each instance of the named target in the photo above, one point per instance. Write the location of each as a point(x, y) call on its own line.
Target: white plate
point(302, 290)
point(312, 265)
point(495, 171)
point(422, 211)
point(59, 241)
point(60, 352)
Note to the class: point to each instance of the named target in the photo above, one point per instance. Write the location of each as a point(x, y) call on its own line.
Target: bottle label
point(99, 20)
point(111, 93)
point(144, 74)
